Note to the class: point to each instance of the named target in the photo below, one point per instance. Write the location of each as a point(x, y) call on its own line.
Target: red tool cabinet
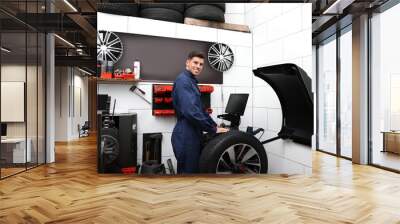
point(162, 99)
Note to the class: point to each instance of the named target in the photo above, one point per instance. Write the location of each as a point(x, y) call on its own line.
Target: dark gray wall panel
point(163, 58)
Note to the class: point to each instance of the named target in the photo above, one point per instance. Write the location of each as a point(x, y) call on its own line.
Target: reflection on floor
point(387, 159)
point(71, 191)
point(10, 169)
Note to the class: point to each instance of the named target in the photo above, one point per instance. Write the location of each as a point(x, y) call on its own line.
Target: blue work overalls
point(192, 120)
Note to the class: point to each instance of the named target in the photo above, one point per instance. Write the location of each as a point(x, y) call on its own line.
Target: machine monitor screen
point(3, 129)
point(237, 103)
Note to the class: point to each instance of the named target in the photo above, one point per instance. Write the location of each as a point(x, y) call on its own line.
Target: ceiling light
point(5, 50)
point(338, 6)
point(64, 40)
point(86, 72)
point(70, 5)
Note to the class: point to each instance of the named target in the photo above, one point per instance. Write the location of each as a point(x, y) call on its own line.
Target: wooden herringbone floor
point(70, 191)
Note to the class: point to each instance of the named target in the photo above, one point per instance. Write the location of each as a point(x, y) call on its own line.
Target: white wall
point(263, 109)
point(281, 34)
point(68, 82)
point(235, 13)
point(61, 103)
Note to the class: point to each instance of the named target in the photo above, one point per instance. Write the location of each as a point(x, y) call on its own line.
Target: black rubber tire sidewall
point(120, 1)
point(214, 149)
point(114, 133)
point(219, 5)
point(205, 12)
point(162, 14)
point(180, 7)
point(124, 9)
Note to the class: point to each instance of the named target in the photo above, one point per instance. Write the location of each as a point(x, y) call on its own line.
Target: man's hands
point(222, 130)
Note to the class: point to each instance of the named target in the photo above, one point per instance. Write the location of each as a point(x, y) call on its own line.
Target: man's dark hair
point(195, 54)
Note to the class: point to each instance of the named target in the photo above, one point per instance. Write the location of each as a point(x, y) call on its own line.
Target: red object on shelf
point(206, 89)
point(167, 99)
point(161, 89)
point(118, 76)
point(209, 110)
point(128, 170)
point(158, 100)
point(127, 76)
point(164, 112)
point(106, 75)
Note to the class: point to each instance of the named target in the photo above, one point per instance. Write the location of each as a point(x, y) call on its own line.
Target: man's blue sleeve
point(191, 109)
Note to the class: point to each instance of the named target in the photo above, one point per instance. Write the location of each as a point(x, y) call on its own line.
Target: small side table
point(17, 150)
point(391, 141)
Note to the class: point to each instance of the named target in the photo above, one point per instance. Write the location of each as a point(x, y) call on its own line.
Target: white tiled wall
point(281, 34)
point(234, 13)
point(237, 80)
point(263, 107)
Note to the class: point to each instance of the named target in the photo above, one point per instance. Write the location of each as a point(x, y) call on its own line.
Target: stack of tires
point(211, 12)
point(163, 11)
point(119, 7)
point(166, 11)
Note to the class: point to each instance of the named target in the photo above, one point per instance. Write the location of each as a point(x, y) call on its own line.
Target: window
point(22, 77)
point(346, 92)
point(385, 89)
point(327, 95)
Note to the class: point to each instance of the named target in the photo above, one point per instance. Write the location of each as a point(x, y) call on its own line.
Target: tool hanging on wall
point(136, 90)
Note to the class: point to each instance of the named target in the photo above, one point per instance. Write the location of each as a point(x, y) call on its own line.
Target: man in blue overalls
point(192, 119)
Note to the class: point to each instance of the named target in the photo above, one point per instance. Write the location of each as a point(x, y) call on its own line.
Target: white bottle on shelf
point(136, 69)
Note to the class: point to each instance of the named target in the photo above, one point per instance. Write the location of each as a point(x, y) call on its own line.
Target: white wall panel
point(216, 97)
point(196, 33)
point(235, 8)
point(266, 12)
point(234, 38)
point(235, 19)
point(111, 22)
point(151, 27)
point(297, 45)
point(238, 76)
point(243, 56)
point(275, 119)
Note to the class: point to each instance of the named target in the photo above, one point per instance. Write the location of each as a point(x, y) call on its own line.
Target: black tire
point(174, 6)
point(120, 1)
point(109, 145)
point(205, 12)
point(152, 167)
point(124, 9)
point(162, 14)
point(219, 5)
point(244, 146)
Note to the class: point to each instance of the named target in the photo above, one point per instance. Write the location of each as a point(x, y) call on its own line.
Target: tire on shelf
point(162, 14)
point(233, 152)
point(205, 12)
point(219, 5)
point(174, 6)
point(124, 9)
point(120, 1)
